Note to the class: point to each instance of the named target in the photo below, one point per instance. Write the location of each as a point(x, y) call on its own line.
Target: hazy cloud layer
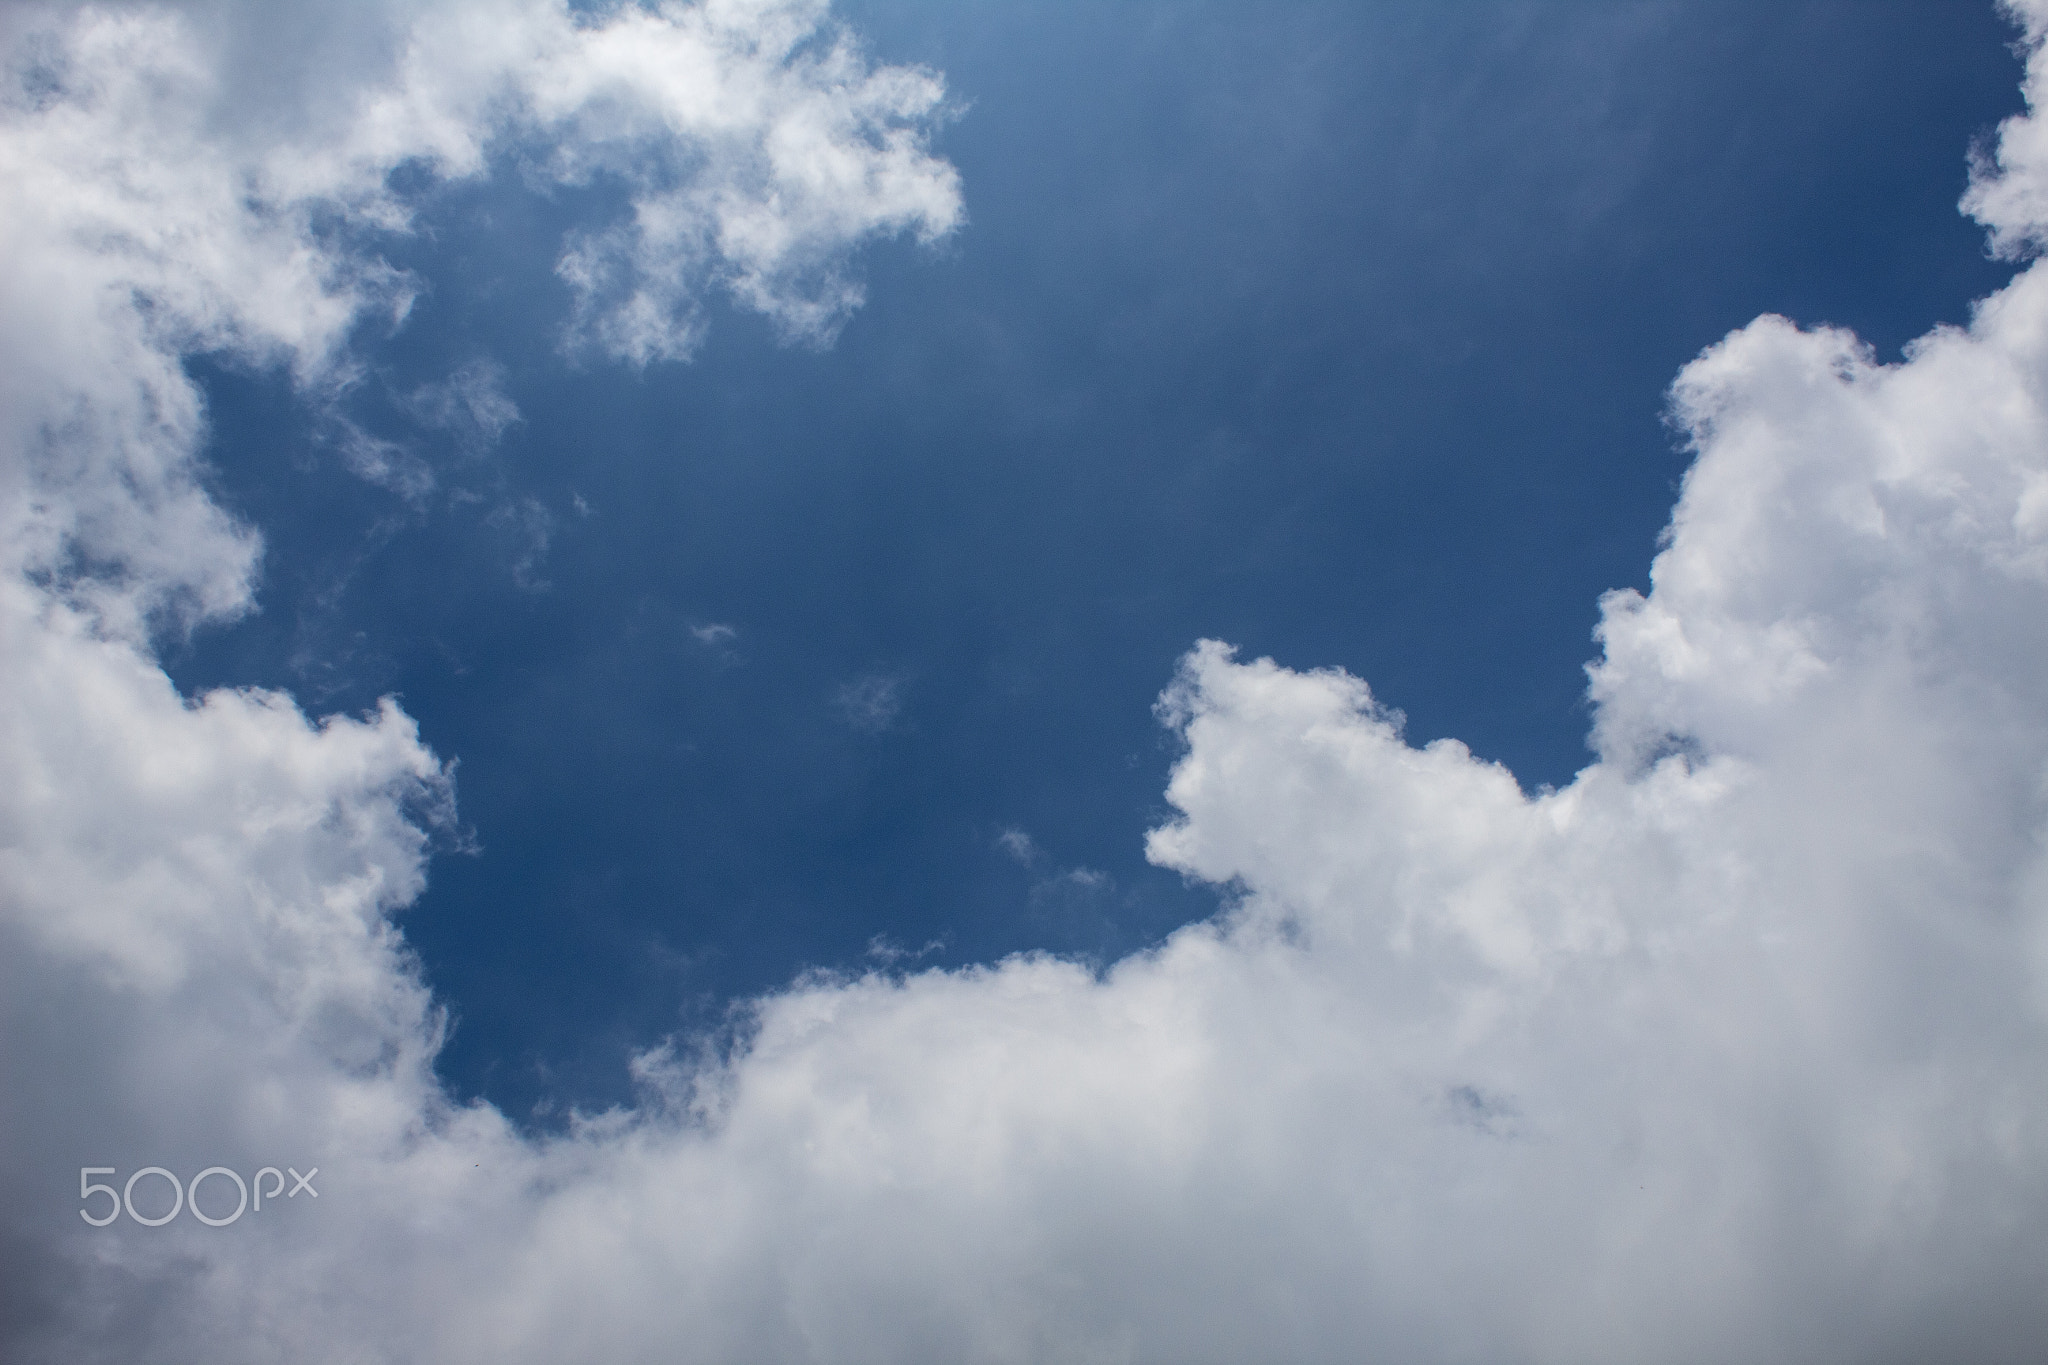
point(1731, 1050)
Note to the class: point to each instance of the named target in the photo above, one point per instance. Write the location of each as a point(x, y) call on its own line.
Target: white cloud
point(871, 702)
point(529, 527)
point(377, 460)
point(471, 404)
point(720, 641)
point(1730, 1050)
point(1018, 844)
point(180, 186)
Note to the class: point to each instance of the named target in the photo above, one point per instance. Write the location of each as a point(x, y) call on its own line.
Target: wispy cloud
point(719, 641)
point(530, 528)
point(870, 703)
point(1019, 845)
point(714, 636)
point(471, 404)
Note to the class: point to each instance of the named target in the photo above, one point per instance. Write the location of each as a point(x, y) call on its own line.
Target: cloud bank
point(1730, 1050)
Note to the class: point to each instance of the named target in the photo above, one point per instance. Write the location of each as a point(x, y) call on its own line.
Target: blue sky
point(1341, 334)
point(1000, 682)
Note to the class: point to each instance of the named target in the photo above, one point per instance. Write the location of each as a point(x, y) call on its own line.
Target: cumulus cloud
point(1729, 1050)
point(181, 185)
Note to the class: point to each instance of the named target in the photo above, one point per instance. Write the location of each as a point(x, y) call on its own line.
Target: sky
point(1014, 682)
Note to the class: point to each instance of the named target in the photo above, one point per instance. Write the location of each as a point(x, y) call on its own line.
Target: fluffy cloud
point(1729, 1050)
point(180, 186)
